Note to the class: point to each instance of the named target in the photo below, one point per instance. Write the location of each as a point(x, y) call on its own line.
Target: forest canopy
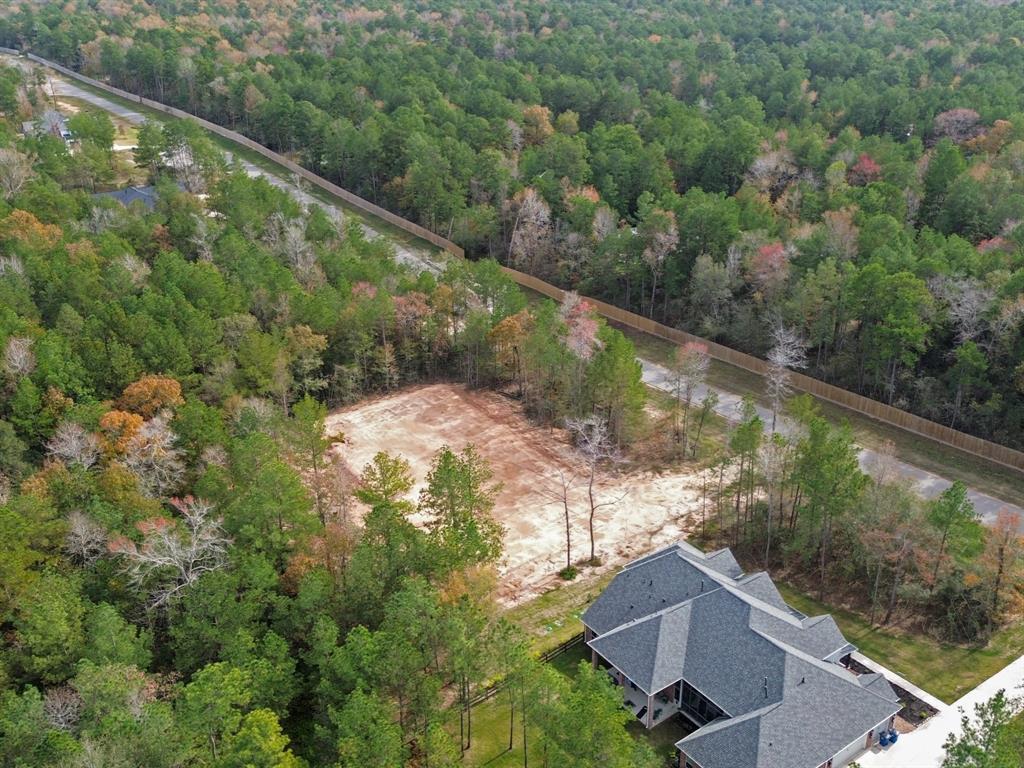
point(856, 173)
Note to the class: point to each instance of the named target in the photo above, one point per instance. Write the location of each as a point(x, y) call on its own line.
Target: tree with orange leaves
point(507, 338)
point(1001, 561)
point(22, 227)
point(117, 429)
point(150, 395)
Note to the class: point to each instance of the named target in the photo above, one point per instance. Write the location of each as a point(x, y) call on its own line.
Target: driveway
point(923, 748)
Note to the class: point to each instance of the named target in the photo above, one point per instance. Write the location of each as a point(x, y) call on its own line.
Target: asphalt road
point(872, 462)
point(926, 483)
point(418, 259)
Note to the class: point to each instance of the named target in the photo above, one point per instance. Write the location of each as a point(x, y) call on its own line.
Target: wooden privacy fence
point(940, 433)
point(352, 199)
point(493, 690)
point(885, 413)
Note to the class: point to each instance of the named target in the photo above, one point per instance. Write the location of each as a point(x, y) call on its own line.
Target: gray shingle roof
point(678, 614)
point(128, 195)
point(821, 714)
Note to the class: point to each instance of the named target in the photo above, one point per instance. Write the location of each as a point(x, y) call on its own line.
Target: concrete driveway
point(923, 748)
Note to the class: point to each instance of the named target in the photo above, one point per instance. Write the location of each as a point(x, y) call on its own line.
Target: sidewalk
point(902, 682)
point(923, 748)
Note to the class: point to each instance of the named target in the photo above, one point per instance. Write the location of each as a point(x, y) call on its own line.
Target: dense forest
point(855, 173)
point(186, 577)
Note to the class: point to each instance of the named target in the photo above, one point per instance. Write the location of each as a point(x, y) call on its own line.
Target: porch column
point(588, 635)
point(650, 711)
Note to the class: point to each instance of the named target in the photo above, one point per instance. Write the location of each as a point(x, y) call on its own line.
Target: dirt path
point(527, 460)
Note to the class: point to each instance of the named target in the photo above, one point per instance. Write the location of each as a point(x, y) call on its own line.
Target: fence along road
point(940, 433)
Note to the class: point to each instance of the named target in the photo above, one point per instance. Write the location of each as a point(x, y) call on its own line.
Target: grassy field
point(945, 671)
point(490, 742)
point(554, 617)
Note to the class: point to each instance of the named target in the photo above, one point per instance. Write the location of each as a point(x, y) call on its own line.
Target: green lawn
point(945, 671)
point(552, 618)
point(489, 748)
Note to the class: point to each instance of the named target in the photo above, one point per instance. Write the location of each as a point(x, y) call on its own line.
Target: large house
point(688, 634)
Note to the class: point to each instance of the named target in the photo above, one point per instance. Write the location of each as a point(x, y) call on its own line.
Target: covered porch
point(650, 709)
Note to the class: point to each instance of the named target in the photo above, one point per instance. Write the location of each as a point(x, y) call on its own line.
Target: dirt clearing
point(657, 509)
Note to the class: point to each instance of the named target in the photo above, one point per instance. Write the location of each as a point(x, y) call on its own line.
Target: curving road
point(872, 462)
point(926, 483)
point(420, 259)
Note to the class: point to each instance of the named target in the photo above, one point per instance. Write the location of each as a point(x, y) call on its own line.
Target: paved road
point(419, 259)
point(923, 747)
point(926, 483)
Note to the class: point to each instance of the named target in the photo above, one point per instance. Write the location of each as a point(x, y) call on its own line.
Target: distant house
point(687, 634)
point(128, 195)
point(51, 123)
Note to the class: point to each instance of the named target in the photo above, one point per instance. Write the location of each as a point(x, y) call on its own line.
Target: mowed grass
point(490, 734)
point(554, 617)
point(945, 671)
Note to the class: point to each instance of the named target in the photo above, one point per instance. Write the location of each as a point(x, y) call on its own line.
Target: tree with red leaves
point(864, 171)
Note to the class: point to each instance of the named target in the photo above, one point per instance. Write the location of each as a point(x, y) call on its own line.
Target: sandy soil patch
point(657, 509)
point(125, 136)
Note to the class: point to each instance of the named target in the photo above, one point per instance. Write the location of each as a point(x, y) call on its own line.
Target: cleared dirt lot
point(526, 459)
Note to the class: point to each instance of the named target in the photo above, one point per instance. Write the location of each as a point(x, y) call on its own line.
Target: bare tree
point(86, 540)
point(560, 495)
point(11, 265)
point(151, 456)
point(203, 237)
point(174, 554)
point(15, 171)
point(72, 444)
point(19, 359)
point(137, 269)
point(604, 223)
point(968, 301)
point(62, 707)
point(597, 447)
point(788, 351)
point(662, 237)
point(103, 217)
point(958, 124)
point(300, 254)
point(688, 372)
point(531, 233)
